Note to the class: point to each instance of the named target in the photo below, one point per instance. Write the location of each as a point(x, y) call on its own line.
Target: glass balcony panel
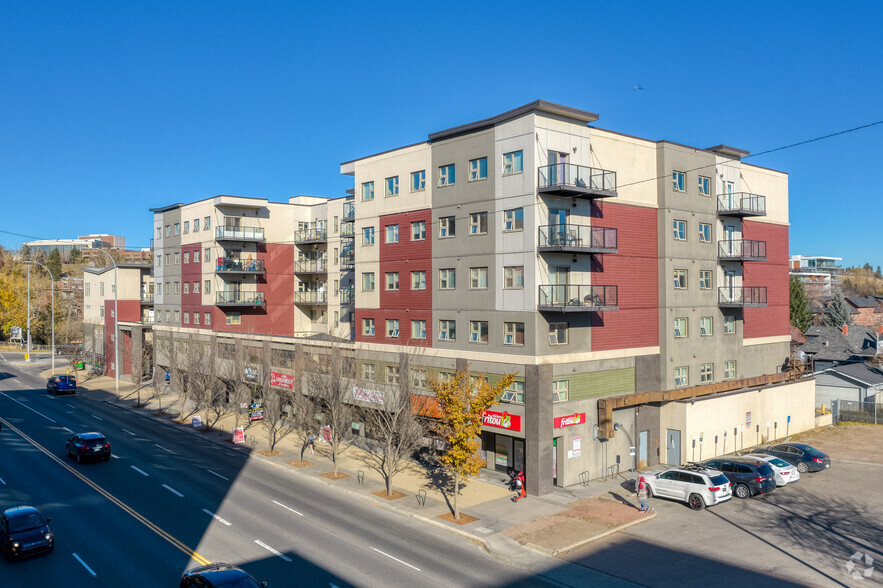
point(568, 179)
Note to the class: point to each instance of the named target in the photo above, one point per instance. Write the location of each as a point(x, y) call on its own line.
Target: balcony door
point(729, 235)
point(730, 284)
point(559, 277)
point(557, 168)
point(558, 221)
point(729, 189)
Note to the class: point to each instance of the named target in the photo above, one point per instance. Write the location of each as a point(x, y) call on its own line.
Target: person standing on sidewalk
point(643, 495)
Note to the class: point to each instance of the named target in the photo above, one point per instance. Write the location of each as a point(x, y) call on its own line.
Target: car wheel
point(107, 457)
point(802, 467)
point(742, 491)
point(79, 457)
point(695, 501)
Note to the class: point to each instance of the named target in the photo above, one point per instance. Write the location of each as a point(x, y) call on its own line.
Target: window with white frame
point(729, 324)
point(418, 180)
point(196, 256)
point(704, 186)
point(186, 287)
point(392, 281)
point(418, 378)
point(706, 373)
point(177, 228)
point(207, 254)
point(392, 186)
point(680, 327)
point(195, 318)
point(186, 318)
point(196, 225)
point(730, 369)
point(168, 230)
point(447, 279)
point(704, 233)
point(368, 191)
point(177, 258)
point(513, 277)
point(513, 333)
point(705, 326)
point(447, 330)
point(186, 227)
point(513, 163)
point(418, 230)
point(177, 287)
point(478, 223)
point(418, 280)
point(368, 236)
point(679, 229)
point(446, 176)
point(369, 372)
point(206, 223)
point(682, 376)
point(478, 169)
point(232, 318)
point(557, 333)
point(478, 331)
point(159, 232)
point(478, 278)
point(679, 181)
point(559, 390)
point(186, 257)
point(680, 278)
point(446, 227)
point(393, 373)
point(208, 318)
point(392, 234)
point(418, 329)
point(513, 220)
point(392, 328)
point(208, 287)
point(514, 393)
point(368, 327)
point(168, 258)
point(367, 281)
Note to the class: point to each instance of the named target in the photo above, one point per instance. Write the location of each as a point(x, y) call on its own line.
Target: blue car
point(61, 384)
point(805, 457)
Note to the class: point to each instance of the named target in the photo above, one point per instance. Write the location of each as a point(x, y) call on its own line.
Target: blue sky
point(111, 108)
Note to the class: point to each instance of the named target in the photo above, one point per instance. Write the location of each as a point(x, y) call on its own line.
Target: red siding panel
point(774, 319)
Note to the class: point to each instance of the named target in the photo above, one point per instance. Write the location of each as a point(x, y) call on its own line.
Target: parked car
point(748, 476)
point(217, 575)
point(697, 486)
point(61, 384)
point(784, 471)
point(87, 446)
point(805, 457)
point(24, 531)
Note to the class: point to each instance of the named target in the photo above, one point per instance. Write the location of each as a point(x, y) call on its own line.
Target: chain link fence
point(857, 412)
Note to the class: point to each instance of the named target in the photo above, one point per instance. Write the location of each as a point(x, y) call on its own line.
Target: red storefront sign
point(281, 380)
point(501, 420)
point(570, 420)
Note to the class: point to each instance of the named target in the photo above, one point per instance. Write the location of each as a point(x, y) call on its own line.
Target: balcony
point(146, 298)
point(310, 266)
point(741, 204)
point(347, 258)
point(229, 265)
point(741, 250)
point(239, 234)
point(568, 298)
point(347, 230)
point(239, 298)
point(741, 296)
point(567, 179)
point(348, 295)
point(349, 211)
point(576, 239)
point(305, 236)
point(311, 297)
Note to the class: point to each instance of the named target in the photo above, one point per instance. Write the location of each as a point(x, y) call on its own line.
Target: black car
point(805, 457)
point(219, 575)
point(748, 476)
point(23, 532)
point(61, 384)
point(87, 446)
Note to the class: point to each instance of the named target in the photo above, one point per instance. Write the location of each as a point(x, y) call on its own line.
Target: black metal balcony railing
point(741, 296)
point(347, 230)
point(235, 233)
point(576, 239)
point(569, 298)
point(147, 298)
point(349, 211)
point(239, 298)
point(310, 266)
point(741, 204)
point(742, 249)
point(311, 236)
point(311, 297)
point(228, 265)
point(348, 295)
point(347, 258)
point(567, 179)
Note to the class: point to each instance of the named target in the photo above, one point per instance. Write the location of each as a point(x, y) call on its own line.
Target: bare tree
point(199, 380)
point(276, 402)
point(330, 381)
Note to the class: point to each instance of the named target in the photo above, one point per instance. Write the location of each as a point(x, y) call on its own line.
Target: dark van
point(61, 384)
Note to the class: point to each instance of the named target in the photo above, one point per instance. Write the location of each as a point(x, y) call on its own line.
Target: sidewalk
point(527, 534)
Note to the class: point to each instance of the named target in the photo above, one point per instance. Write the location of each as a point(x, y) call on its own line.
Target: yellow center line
point(193, 554)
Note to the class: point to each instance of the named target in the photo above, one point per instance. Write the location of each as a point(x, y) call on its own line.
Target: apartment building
point(635, 287)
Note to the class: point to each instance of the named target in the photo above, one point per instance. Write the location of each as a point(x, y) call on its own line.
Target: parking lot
point(801, 534)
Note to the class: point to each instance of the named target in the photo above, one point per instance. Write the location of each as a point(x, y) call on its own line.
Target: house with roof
point(867, 310)
point(830, 346)
point(853, 382)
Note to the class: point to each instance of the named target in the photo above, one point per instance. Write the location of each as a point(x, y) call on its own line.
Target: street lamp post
point(116, 324)
point(52, 290)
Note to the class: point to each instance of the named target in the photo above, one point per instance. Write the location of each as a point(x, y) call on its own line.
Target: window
point(705, 326)
point(186, 227)
point(186, 287)
point(369, 371)
point(186, 318)
point(186, 257)
point(705, 279)
point(392, 234)
point(447, 279)
point(233, 318)
point(446, 175)
point(680, 327)
point(729, 324)
point(86, 288)
point(392, 327)
point(418, 180)
point(368, 326)
point(478, 169)
point(446, 227)
point(368, 191)
point(208, 288)
point(367, 281)
point(514, 393)
point(207, 223)
point(336, 318)
point(447, 330)
point(513, 277)
point(682, 376)
point(730, 369)
point(177, 258)
point(168, 230)
point(196, 256)
point(706, 373)
point(168, 316)
point(168, 258)
point(704, 233)
point(418, 378)
point(557, 333)
point(101, 288)
point(207, 254)
point(478, 278)
point(101, 311)
point(418, 231)
point(159, 232)
point(196, 287)
point(513, 333)
point(513, 220)
point(478, 223)
point(196, 225)
point(418, 329)
point(392, 281)
point(392, 374)
point(167, 288)
point(679, 228)
point(704, 186)
point(513, 163)
point(478, 331)
point(392, 186)
point(336, 224)
point(158, 261)
point(678, 181)
point(418, 280)
point(368, 236)
point(680, 277)
point(177, 228)
point(195, 318)
point(177, 287)
point(559, 390)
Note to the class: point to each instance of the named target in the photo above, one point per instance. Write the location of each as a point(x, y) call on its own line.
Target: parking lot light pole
point(52, 290)
point(116, 324)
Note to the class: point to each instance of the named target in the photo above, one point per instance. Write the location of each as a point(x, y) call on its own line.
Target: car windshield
point(94, 442)
point(25, 523)
point(779, 463)
point(719, 480)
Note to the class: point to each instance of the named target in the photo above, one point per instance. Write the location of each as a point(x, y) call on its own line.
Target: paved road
point(170, 498)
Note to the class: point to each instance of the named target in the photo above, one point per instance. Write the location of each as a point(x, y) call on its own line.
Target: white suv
point(697, 486)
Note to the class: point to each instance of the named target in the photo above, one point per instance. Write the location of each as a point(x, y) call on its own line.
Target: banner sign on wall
point(368, 395)
point(281, 380)
point(570, 420)
point(501, 420)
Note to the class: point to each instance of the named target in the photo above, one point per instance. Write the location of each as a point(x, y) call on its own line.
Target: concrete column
point(137, 335)
point(538, 425)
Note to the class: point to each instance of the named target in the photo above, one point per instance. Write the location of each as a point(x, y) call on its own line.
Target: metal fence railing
point(857, 412)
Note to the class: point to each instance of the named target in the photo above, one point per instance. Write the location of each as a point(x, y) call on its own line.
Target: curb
point(582, 542)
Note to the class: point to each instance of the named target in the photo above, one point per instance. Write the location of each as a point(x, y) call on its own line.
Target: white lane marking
point(216, 517)
point(28, 407)
point(1, 357)
point(96, 417)
point(71, 405)
point(396, 559)
point(114, 455)
point(173, 491)
point(142, 472)
point(218, 475)
point(287, 508)
point(273, 551)
point(68, 430)
point(2, 481)
point(88, 569)
point(129, 432)
point(163, 448)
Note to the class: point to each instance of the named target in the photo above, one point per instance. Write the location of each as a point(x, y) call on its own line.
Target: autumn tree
point(462, 401)
point(801, 315)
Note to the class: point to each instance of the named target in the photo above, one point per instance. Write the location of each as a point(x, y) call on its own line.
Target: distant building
point(66, 246)
point(819, 275)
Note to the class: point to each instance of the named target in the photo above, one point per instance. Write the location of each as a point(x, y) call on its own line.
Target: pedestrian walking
point(311, 441)
point(519, 487)
point(643, 495)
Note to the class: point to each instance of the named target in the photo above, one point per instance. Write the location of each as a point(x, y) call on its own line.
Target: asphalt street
point(171, 499)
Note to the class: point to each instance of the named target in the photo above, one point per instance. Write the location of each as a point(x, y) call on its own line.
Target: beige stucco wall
point(773, 185)
point(633, 160)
